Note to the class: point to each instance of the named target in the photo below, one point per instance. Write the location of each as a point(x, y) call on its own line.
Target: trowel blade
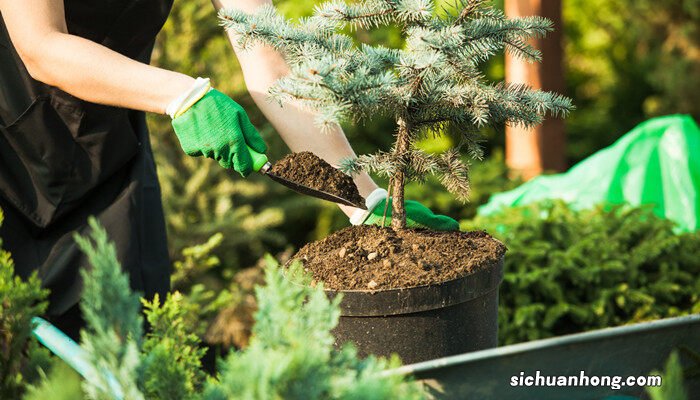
point(319, 194)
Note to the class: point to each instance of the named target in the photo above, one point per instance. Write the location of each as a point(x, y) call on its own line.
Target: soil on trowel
point(309, 170)
point(373, 258)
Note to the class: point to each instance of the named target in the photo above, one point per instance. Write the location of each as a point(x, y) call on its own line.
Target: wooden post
point(530, 152)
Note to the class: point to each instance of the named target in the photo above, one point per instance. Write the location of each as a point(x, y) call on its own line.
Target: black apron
point(63, 159)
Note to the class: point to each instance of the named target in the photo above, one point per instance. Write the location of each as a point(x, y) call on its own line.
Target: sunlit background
point(622, 62)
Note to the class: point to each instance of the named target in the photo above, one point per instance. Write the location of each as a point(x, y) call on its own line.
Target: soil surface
point(373, 258)
point(307, 169)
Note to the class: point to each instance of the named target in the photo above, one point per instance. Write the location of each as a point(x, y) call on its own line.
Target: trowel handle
point(62, 346)
point(72, 354)
point(259, 159)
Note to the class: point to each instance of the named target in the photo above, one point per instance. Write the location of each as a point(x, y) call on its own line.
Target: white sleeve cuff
point(374, 198)
point(182, 103)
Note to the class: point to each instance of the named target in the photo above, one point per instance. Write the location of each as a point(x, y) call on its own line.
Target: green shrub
point(291, 355)
point(19, 302)
point(114, 326)
point(570, 271)
point(61, 383)
point(170, 366)
point(202, 299)
point(672, 387)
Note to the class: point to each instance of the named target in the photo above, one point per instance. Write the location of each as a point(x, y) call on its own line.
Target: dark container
point(425, 322)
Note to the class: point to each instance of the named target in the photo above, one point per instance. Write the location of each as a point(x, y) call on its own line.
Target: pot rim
point(395, 301)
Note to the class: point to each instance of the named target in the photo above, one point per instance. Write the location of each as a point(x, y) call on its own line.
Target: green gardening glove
point(417, 215)
point(219, 128)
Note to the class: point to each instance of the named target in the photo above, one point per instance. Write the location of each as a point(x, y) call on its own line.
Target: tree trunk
point(530, 152)
point(398, 211)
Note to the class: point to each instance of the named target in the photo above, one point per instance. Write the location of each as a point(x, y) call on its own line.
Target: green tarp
point(657, 163)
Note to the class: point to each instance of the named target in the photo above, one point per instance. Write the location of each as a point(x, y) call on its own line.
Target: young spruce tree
point(432, 85)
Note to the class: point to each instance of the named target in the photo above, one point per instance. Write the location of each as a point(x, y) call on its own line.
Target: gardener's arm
point(83, 68)
point(207, 122)
point(262, 66)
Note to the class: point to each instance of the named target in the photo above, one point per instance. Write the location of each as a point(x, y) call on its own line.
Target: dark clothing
point(63, 159)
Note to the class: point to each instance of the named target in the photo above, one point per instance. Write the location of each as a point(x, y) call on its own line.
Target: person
point(75, 82)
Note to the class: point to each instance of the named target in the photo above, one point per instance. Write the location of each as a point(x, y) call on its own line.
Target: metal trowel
point(262, 164)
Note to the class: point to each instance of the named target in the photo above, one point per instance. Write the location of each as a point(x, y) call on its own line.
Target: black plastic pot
point(426, 322)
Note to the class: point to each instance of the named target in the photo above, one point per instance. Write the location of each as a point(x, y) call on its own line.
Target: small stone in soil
point(342, 251)
point(372, 256)
point(372, 284)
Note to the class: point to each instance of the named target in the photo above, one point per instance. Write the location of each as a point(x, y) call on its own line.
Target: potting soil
point(309, 170)
point(374, 258)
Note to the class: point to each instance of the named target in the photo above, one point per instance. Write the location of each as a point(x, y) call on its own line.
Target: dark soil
point(373, 258)
point(307, 169)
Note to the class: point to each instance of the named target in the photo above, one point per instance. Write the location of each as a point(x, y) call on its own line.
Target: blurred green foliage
point(255, 215)
point(171, 365)
point(61, 383)
point(628, 61)
point(566, 271)
point(199, 197)
point(19, 302)
point(570, 271)
point(672, 387)
point(625, 62)
point(291, 354)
